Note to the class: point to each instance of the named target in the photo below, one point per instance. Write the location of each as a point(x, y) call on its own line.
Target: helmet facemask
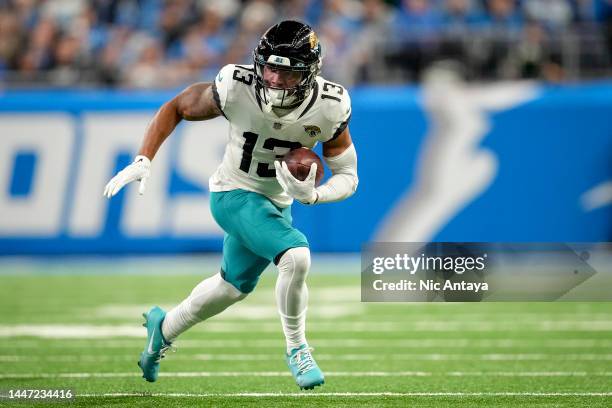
point(296, 81)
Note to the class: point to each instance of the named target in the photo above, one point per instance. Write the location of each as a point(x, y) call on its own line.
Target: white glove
point(140, 169)
point(303, 191)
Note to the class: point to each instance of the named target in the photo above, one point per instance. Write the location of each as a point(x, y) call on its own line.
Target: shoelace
point(303, 359)
point(162, 351)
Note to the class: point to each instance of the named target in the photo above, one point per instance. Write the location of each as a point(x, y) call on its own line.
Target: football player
point(277, 104)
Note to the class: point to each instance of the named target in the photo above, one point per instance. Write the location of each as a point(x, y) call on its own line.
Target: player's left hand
point(303, 191)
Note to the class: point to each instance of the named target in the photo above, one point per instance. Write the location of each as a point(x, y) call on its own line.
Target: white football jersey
point(257, 139)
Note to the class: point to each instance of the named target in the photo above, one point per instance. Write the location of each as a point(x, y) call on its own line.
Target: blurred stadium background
point(473, 120)
point(162, 43)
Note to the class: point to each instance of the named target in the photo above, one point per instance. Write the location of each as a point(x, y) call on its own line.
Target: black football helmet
point(287, 46)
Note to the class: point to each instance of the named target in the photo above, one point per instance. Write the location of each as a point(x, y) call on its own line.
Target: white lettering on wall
point(50, 138)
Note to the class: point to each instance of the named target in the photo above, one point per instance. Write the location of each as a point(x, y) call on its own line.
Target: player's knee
point(216, 298)
point(231, 292)
point(295, 261)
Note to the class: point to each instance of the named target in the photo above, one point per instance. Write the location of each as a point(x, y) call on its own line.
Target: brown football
point(299, 162)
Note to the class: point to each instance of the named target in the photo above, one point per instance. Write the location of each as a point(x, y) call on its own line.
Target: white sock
point(292, 295)
point(208, 298)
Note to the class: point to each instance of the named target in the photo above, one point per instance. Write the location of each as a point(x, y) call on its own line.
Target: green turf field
point(77, 326)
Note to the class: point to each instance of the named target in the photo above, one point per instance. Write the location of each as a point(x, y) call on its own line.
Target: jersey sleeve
point(223, 89)
point(338, 112)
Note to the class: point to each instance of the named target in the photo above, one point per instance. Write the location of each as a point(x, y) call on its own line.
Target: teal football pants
point(256, 232)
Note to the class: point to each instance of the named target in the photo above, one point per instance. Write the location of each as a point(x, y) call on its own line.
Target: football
point(299, 162)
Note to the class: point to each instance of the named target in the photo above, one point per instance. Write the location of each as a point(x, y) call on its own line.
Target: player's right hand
point(303, 191)
point(140, 169)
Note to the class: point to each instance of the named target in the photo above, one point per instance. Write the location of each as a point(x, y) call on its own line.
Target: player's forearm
point(344, 180)
point(163, 123)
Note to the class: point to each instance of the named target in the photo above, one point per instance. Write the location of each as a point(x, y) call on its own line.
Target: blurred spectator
point(502, 30)
point(148, 70)
point(69, 63)
point(355, 54)
point(418, 20)
point(295, 10)
point(463, 21)
point(503, 17)
point(554, 14)
point(339, 23)
point(175, 19)
point(533, 57)
point(10, 40)
point(585, 10)
point(202, 48)
point(38, 55)
point(256, 17)
point(460, 17)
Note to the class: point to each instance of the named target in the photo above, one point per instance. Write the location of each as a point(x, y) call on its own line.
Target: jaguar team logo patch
point(312, 130)
point(313, 40)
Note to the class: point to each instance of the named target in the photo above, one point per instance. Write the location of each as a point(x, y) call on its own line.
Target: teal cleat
point(304, 368)
point(156, 345)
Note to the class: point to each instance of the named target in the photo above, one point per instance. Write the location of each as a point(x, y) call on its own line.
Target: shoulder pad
point(230, 81)
point(223, 85)
point(336, 101)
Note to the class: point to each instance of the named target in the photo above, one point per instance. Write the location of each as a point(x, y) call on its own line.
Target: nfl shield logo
point(277, 125)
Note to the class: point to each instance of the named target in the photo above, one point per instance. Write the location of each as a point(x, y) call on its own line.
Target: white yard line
point(212, 374)
point(92, 358)
point(327, 373)
point(250, 312)
point(359, 394)
point(528, 374)
point(128, 330)
point(341, 343)
point(71, 331)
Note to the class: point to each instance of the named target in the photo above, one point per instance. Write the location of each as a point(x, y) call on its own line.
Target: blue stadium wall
point(507, 162)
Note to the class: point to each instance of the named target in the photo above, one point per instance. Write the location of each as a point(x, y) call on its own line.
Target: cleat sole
point(312, 387)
